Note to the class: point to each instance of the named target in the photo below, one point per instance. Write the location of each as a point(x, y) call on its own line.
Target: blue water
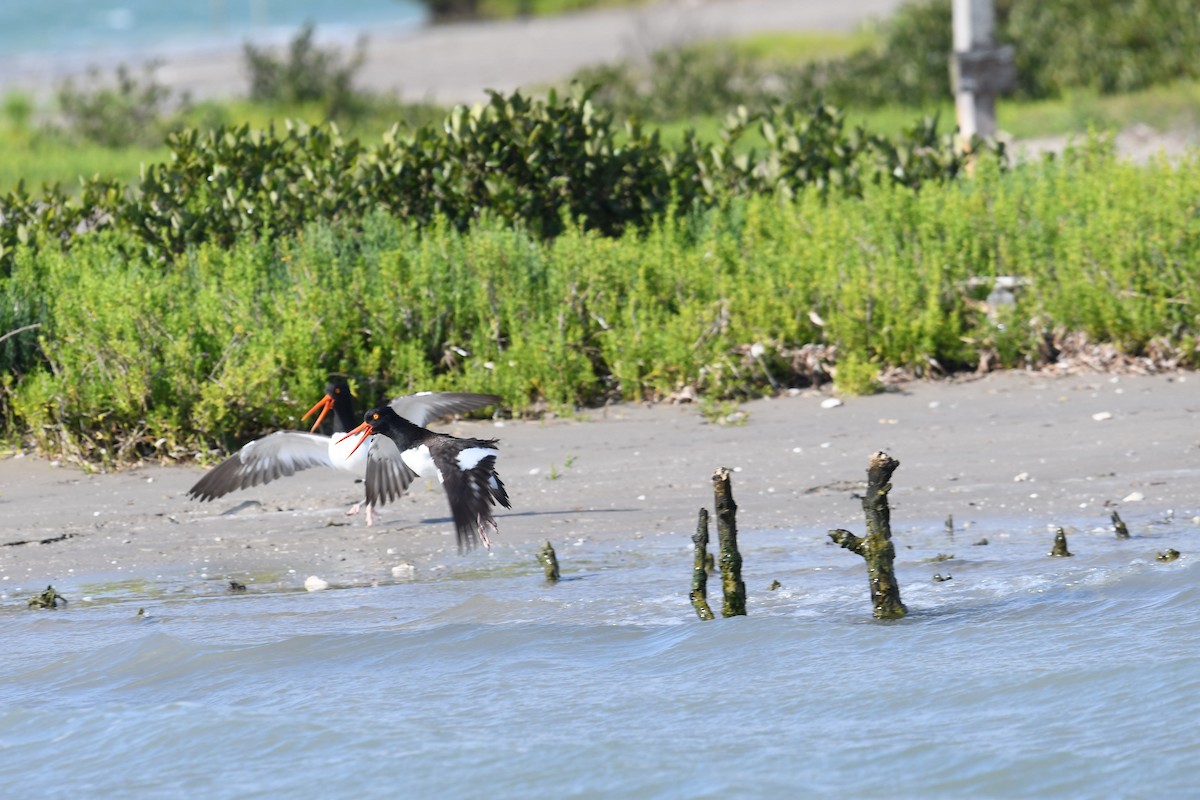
point(1022, 676)
point(111, 29)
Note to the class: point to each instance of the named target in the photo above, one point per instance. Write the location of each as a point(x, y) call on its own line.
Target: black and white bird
point(287, 452)
point(400, 450)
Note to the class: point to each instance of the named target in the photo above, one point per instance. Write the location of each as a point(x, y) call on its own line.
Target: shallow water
point(1021, 676)
point(84, 29)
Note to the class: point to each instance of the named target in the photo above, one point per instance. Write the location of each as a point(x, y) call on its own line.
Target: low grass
point(36, 157)
point(507, 9)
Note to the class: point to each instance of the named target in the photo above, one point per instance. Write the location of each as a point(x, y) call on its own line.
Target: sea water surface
point(111, 30)
point(1019, 675)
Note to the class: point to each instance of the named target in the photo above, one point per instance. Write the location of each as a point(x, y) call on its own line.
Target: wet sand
point(1005, 454)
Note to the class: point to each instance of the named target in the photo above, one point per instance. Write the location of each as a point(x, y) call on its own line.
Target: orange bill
point(367, 432)
point(326, 405)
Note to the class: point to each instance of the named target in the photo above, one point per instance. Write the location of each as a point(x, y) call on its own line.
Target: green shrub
point(1104, 46)
point(307, 74)
point(541, 165)
point(133, 111)
point(18, 109)
point(1099, 45)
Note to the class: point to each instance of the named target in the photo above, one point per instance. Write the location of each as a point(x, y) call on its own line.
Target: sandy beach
point(1004, 454)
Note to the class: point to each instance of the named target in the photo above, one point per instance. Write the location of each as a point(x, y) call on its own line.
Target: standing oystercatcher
point(466, 468)
point(286, 452)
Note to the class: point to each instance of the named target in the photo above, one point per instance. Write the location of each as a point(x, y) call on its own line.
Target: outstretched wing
point(263, 460)
point(423, 408)
point(472, 488)
point(387, 474)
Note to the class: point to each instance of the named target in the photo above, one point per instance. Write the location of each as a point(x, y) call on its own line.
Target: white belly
point(339, 454)
point(420, 461)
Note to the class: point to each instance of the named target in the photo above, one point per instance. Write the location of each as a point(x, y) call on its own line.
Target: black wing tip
point(500, 493)
point(204, 491)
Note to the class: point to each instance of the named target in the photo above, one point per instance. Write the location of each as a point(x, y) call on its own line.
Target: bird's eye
point(337, 391)
point(374, 416)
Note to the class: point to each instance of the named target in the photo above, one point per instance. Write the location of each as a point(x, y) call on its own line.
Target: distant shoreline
point(458, 62)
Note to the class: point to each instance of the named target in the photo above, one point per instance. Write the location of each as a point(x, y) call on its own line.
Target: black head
point(339, 400)
point(377, 420)
point(337, 387)
point(382, 417)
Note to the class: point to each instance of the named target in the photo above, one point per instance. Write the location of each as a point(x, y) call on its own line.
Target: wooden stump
point(734, 604)
point(700, 562)
point(549, 562)
point(877, 546)
point(1119, 526)
point(1060, 545)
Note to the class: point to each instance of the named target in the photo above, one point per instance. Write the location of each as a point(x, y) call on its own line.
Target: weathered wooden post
point(731, 560)
point(1119, 526)
point(700, 561)
point(549, 562)
point(877, 546)
point(1060, 545)
point(979, 70)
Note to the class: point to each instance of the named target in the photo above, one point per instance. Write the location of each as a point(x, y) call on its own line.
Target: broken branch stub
point(1060, 544)
point(47, 599)
point(734, 589)
point(549, 562)
point(1119, 526)
point(700, 558)
point(876, 547)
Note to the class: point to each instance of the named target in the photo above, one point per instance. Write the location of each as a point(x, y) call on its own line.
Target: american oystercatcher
point(286, 452)
point(400, 450)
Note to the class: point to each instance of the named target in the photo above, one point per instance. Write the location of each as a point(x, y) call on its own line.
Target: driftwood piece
point(1170, 554)
point(1060, 544)
point(876, 547)
point(549, 562)
point(734, 589)
point(700, 563)
point(1119, 526)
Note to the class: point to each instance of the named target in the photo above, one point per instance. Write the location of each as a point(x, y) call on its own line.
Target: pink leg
point(483, 537)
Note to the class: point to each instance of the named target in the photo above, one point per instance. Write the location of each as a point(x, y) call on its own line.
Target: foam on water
point(1021, 676)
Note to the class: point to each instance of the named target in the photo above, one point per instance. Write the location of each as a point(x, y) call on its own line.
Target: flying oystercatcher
point(400, 450)
point(286, 452)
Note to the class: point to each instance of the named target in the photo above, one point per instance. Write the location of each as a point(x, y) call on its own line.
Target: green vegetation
point(308, 74)
point(139, 357)
point(506, 9)
point(567, 251)
point(132, 112)
point(540, 165)
point(1065, 48)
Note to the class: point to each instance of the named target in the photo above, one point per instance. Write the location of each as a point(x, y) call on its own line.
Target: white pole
point(974, 31)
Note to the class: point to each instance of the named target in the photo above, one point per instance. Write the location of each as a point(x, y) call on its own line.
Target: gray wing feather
point(263, 460)
point(387, 474)
point(423, 408)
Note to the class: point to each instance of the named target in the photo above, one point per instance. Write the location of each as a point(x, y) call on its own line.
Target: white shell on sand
point(314, 584)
